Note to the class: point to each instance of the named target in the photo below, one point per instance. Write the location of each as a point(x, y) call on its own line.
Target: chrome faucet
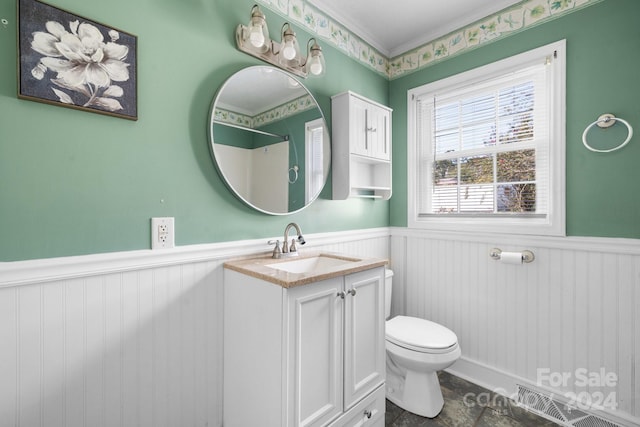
point(287, 250)
point(291, 249)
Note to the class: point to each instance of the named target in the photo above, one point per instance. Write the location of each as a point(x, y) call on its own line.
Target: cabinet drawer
point(368, 413)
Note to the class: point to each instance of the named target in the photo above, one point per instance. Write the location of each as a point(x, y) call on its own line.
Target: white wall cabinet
point(311, 355)
point(361, 147)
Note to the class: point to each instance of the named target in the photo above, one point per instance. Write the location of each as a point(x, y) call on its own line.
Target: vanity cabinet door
point(364, 353)
point(315, 331)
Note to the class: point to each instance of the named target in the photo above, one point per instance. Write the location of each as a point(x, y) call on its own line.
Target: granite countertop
point(258, 267)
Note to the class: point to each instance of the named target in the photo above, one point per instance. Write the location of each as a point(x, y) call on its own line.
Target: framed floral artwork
point(71, 61)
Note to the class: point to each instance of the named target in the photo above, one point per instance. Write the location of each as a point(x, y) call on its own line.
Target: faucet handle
point(292, 247)
point(276, 249)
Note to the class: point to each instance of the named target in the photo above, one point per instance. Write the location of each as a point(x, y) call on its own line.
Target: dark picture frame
point(71, 61)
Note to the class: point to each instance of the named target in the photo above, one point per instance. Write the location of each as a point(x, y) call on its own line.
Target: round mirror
point(269, 140)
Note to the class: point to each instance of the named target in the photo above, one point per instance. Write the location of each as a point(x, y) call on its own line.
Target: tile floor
point(480, 408)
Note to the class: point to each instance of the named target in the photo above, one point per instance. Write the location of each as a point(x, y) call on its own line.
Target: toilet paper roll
point(511, 257)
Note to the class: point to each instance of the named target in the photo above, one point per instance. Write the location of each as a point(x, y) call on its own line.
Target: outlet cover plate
point(162, 233)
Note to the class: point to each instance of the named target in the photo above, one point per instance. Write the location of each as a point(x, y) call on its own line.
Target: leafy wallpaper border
point(288, 109)
point(509, 21)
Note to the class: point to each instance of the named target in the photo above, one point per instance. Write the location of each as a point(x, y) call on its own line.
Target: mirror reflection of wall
point(253, 173)
point(269, 140)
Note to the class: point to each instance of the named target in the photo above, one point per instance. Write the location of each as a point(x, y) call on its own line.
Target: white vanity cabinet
point(361, 147)
point(310, 355)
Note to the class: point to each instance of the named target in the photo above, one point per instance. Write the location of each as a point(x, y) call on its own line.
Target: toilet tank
point(388, 283)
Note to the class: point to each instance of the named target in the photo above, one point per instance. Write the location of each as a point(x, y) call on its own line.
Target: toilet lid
point(415, 333)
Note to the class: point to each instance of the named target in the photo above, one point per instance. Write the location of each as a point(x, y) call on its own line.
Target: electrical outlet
point(162, 233)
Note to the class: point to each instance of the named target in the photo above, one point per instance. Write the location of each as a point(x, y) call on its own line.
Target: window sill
point(525, 226)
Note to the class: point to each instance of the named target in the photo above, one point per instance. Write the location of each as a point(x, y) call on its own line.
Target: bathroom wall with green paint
point(233, 136)
point(74, 183)
point(603, 62)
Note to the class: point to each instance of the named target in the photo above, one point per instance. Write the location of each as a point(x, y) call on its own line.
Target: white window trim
point(309, 191)
point(553, 224)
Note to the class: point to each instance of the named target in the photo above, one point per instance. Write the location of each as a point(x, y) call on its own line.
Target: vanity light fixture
point(254, 40)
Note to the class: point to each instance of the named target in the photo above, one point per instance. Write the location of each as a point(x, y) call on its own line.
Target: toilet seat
point(420, 335)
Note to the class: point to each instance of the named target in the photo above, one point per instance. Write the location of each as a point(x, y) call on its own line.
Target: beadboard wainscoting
point(571, 312)
point(132, 338)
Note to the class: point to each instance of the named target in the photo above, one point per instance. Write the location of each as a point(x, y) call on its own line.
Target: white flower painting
point(69, 60)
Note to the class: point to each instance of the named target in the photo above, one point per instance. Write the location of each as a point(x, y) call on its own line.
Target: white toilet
point(416, 350)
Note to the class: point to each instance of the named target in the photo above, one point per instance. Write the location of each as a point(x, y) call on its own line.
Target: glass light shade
point(256, 37)
point(289, 49)
point(257, 31)
point(315, 61)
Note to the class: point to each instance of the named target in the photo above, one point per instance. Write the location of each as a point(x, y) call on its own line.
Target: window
point(486, 147)
point(314, 162)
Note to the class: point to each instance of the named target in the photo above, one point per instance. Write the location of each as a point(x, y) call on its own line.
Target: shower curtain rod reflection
point(275, 135)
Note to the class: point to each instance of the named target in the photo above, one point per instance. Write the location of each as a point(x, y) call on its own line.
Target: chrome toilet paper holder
point(527, 256)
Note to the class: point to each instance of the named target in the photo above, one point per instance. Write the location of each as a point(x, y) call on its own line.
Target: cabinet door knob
point(352, 292)
point(368, 413)
point(341, 294)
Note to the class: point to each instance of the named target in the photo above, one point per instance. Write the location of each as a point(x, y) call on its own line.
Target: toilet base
point(420, 394)
point(416, 392)
point(412, 380)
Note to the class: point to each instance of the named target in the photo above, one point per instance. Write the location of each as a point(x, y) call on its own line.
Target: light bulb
point(256, 37)
point(289, 51)
point(315, 66)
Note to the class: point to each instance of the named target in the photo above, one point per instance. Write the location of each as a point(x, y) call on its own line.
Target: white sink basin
point(315, 264)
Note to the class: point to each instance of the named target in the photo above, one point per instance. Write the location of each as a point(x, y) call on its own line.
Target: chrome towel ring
point(293, 178)
point(605, 121)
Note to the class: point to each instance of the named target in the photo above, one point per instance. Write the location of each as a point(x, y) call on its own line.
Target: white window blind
point(483, 146)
